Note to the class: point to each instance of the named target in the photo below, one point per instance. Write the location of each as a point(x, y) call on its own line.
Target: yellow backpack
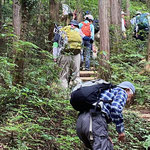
point(73, 38)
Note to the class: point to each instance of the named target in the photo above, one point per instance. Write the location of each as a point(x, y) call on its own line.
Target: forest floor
point(142, 113)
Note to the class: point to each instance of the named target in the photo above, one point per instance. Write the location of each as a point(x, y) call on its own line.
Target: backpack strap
point(90, 131)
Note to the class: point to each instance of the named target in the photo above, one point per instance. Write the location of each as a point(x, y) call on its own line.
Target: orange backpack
point(86, 29)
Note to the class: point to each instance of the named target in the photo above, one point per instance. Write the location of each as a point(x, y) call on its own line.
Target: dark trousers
point(99, 129)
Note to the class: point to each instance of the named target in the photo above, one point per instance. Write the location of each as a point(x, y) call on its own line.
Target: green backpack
point(71, 40)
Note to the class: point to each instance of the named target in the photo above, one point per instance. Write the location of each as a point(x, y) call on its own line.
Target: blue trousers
point(87, 53)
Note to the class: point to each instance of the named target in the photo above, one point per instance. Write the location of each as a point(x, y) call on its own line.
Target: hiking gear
point(69, 40)
point(123, 13)
point(127, 84)
point(138, 13)
point(74, 22)
point(85, 95)
point(86, 29)
point(90, 17)
point(142, 21)
point(73, 44)
point(99, 131)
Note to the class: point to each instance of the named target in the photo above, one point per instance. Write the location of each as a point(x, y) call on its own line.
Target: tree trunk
point(128, 13)
point(0, 15)
point(54, 15)
point(104, 40)
point(115, 22)
point(17, 22)
point(147, 68)
point(17, 18)
point(148, 3)
point(79, 11)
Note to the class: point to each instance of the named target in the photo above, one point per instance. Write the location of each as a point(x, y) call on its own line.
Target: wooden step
point(88, 73)
point(87, 78)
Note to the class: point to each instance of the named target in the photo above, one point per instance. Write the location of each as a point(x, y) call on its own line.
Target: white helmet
point(90, 17)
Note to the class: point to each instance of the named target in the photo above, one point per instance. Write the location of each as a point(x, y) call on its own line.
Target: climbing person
point(69, 59)
point(123, 24)
point(92, 126)
point(56, 49)
point(133, 20)
point(87, 29)
point(142, 26)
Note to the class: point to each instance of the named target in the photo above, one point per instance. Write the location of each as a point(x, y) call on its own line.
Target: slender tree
point(115, 23)
point(0, 15)
point(54, 16)
point(18, 31)
point(148, 49)
point(17, 18)
point(127, 13)
point(148, 55)
point(104, 41)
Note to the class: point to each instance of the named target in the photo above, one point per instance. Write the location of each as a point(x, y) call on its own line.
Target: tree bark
point(54, 15)
point(17, 22)
point(104, 40)
point(0, 15)
point(115, 22)
point(127, 13)
point(147, 68)
point(17, 18)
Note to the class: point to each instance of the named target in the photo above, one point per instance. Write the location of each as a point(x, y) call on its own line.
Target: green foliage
point(135, 130)
point(37, 114)
point(146, 144)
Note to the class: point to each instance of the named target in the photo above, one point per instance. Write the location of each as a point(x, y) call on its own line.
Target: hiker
point(87, 29)
point(123, 24)
point(141, 26)
point(133, 20)
point(67, 12)
point(56, 49)
point(92, 128)
point(69, 59)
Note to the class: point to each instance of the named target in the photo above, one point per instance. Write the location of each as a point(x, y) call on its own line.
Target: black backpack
point(85, 95)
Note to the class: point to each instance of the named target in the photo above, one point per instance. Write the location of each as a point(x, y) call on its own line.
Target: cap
point(74, 22)
point(123, 13)
point(90, 17)
point(127, 84)
point(138, 13)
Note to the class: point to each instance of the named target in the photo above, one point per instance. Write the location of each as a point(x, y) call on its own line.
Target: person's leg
point(100, 133)
point(64, 64)
point(76, 69)
point(82, 128)
point(87, 52)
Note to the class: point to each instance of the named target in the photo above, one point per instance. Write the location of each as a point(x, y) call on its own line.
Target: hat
point(90, 17)
point(74, 22)
point(128, 85)
point(123, 13)
point(138, 13)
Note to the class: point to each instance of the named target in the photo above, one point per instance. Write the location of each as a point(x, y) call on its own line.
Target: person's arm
point(92, 31)
point(116, 112)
